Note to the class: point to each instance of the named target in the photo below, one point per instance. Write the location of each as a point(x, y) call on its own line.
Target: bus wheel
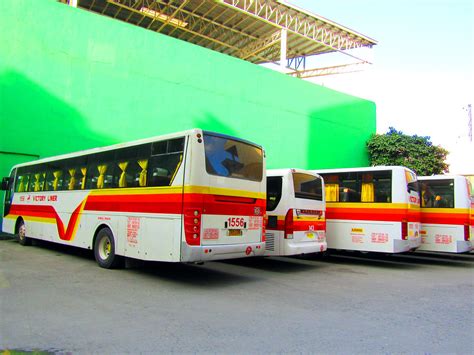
point(104, 250)
point(21, 234)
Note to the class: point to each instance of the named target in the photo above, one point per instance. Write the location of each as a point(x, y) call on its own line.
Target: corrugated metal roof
point(246, 29)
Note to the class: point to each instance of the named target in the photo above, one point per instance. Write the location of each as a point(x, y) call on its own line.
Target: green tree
point(415, 152)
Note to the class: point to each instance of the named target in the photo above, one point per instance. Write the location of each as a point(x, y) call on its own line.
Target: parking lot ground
point(56, 299)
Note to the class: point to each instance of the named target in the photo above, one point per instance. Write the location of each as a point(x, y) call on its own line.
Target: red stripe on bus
point(47, 211)
point(173, 204)
point(301, 226)
point(445, 218)
point(34, 211)
point(157, 203)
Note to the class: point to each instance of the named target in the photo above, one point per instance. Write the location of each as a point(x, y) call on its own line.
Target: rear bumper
point(414, 243)
point(221, 252)
point(296, 248)
point(459, 246)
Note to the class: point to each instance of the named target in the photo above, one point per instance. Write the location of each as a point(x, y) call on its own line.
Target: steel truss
point(247, 29)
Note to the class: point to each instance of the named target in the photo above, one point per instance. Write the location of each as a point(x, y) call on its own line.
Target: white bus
point(295, 213)
point(372, 209)
point(447, 207)
point(191, 196)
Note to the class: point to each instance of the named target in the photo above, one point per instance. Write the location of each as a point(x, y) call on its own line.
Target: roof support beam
point(258, 46)
point(277, 15)
point(283, 44)
point(337, 69)
point(118, 3)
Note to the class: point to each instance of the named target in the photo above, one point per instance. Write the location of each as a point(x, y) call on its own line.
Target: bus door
point(8, 186)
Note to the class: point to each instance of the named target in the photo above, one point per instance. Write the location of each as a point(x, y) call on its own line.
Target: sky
point(422, 76)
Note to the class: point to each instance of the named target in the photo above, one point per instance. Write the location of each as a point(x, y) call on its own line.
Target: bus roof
point(442, 177)
point(128, 144)
point(362, 169)
point(284, 171)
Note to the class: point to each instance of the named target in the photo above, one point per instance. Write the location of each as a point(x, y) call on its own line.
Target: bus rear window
point(308, 186)
point(231, 158)
point(437, 193)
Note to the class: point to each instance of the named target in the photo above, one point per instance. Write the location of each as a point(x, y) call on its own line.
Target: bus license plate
point(234, 232)
point(310, 235)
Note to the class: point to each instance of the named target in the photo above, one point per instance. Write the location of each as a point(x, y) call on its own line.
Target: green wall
point(71, 79)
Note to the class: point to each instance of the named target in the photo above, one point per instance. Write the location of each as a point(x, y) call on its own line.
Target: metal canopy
point(253, 30)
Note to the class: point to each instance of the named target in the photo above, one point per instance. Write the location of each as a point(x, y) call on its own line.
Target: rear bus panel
point(223, 217)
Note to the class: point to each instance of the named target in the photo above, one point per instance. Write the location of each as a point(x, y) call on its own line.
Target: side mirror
point(5, 183)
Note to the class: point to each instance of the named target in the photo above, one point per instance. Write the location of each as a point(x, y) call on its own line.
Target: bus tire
point(104, 250)
point(21, 234)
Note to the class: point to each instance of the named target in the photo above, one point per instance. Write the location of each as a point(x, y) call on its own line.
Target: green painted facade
point(71, 79)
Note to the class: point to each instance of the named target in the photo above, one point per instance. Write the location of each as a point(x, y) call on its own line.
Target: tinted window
point(274, 185)
point(37, 178)
point(100, 171)
point(162, 169)
point(22, 183)
point(371, 186)
point(165, 161)
point(131, 166)
point(437, 193)
point(55, 176)
point(308, 186)
point(231, 158)
point(75, 173)
point(169, 146)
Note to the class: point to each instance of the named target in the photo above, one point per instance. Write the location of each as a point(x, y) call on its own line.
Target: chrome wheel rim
point(105, 248)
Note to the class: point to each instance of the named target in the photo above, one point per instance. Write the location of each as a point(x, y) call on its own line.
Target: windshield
point(232, 158)
point(308, 186)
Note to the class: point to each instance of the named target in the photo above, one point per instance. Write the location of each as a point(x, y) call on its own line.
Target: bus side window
point(162, 168)
point(38, 179)
point(349, 195)
point(274, 188)
point(55, 176)
point(101, 171)
point(74, 173)
point(165, 161)
point(331, 187)
point(23, 181)
point(131, 173)
point(382, 181)
point(367, 192)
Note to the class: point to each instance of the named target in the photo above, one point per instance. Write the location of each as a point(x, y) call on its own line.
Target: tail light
point(289, 224)
point(404, 230)
point(192, 226)
point(467, 236)
point(264, 224)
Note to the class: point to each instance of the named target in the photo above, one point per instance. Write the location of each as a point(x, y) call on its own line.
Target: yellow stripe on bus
point(301, 218)
point(356, 205)
point(39, 219)
point(224, 191)
point(177, 190)
point(446, 210)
